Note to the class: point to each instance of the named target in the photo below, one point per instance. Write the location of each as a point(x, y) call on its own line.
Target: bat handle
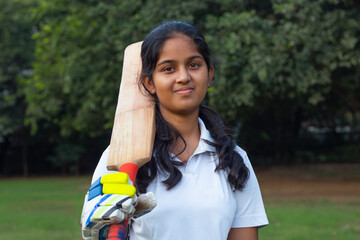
point(120, 231)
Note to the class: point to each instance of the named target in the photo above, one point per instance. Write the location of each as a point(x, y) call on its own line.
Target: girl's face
point(181, 76)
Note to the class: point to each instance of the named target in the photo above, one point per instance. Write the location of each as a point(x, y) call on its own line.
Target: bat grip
point(120, 231)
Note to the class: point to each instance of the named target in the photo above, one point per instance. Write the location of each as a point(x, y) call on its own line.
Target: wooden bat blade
point(133, 132)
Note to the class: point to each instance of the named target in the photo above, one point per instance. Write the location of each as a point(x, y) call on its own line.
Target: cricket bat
point(133, 132)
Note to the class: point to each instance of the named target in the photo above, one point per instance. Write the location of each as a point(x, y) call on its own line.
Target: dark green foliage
point(15, 61)
point(16, 56)
point(292, 66)
point(285, 71)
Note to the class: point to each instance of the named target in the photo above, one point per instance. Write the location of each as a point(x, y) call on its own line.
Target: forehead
point(177, 47)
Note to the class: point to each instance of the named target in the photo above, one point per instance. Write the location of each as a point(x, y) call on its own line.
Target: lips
point(185, 90)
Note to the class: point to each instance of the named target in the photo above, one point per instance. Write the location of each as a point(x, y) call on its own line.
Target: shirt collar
point(204, 136)
point(203, 146)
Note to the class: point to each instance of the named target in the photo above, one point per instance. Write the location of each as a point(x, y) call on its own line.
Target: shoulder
point(250, 208)
point(101, 168)
point(243, 155)
point(241, 151)
point(252, 180)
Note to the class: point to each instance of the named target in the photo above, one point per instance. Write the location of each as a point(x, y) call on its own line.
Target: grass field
point(311, 202)
point(41, 208)
point(310, 220)
point(301, 205)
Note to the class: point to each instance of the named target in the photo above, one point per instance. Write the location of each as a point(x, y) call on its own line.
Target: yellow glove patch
point(117, 183)
point(121, 189)
point(118, 177)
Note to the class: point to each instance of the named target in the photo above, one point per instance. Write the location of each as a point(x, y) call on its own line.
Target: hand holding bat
point(111, 200)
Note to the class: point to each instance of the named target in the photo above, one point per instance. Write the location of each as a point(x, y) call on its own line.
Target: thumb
point(145, 203)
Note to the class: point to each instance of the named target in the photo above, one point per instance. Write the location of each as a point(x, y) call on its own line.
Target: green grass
point(42, 208)
point(312, 220)
point(49, 208)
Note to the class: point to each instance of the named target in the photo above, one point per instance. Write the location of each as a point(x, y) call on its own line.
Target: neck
point(188, 127)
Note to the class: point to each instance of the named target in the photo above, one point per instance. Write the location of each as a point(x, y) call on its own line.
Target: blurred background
point(287, 82)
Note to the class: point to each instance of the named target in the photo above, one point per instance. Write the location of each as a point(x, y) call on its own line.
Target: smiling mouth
point(185, 90)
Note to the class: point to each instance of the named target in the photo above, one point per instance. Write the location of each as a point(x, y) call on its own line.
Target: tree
point(78, 63)
point(15, 62)
point(282, 65)
point(79, 52)
point(279, 65)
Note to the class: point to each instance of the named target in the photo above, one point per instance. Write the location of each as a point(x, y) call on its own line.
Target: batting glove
point(110, 200)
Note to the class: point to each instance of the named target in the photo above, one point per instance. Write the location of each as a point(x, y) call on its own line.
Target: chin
point(188, 110)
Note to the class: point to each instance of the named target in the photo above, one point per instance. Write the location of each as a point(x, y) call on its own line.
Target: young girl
point(203, 182)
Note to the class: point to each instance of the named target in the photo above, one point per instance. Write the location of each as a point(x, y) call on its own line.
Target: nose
point(184, 76)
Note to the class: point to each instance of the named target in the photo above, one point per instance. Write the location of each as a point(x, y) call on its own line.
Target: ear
point(211, 75)
point(149, 85)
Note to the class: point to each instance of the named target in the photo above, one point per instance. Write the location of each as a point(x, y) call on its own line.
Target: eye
point(168, 69)
point(194, 65)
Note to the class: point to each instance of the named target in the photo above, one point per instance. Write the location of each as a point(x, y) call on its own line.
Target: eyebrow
point(171, 61)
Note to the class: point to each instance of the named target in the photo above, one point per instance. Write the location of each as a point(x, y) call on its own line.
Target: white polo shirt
point(202, 205)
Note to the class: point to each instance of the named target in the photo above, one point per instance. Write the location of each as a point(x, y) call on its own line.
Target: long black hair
point(166, 135)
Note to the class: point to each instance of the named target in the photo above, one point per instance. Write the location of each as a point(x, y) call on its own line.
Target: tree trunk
point(25, 160)
point(3, 149)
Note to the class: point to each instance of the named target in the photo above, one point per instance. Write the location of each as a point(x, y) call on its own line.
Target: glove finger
point(113, 200)
point(114, 215)
point(100, 212)
point(118, 177)
point(106, 203)
point(118, 216)
point(126, 205)
point(120, 189)
point(110, 203)
point(145, 203)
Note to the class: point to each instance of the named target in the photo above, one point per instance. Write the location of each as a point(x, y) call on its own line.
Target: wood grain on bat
point(133, 131)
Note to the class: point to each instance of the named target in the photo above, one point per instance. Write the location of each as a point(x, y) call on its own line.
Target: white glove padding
point(102, 211)
point(111, 200)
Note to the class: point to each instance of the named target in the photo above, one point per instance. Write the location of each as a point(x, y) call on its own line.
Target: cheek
point(161, 88)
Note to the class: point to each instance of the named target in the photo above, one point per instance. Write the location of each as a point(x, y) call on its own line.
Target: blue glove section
point(88, 221)
point(95, 189)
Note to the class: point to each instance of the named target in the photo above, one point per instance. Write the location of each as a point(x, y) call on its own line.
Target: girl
point(203, 182)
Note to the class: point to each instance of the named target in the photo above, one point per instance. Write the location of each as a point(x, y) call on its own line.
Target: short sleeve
point(250, 211)
point(101, 167)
